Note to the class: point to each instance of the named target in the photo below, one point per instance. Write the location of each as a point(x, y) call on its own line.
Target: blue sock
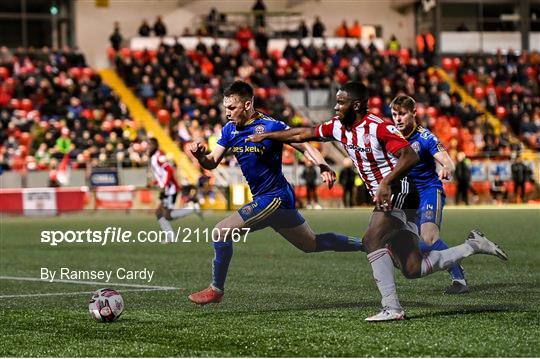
point(456, 272)
point(337, 242)
point(424, 247)
point(220, 265)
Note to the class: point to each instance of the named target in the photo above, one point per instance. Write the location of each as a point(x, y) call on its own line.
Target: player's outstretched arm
point(327, 174)
point(208, 161)
point(407, 158)
point(448, 167)
point(297, 134)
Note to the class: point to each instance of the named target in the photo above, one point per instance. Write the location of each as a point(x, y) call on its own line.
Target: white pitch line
point(74, 293)
point(88, 282)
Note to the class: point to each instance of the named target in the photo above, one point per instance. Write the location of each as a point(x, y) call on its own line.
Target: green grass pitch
point(279, 301)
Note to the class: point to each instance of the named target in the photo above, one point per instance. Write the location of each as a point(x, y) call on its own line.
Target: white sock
point(383, 272)
point(438, 260)
point(177, 213)
point(167, 228)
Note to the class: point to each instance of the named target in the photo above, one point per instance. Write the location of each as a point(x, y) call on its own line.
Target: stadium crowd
point(52, 106)
point(187, 84)
point(506, 85)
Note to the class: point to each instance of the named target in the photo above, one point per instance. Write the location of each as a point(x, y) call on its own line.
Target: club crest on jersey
point(259, 129)
point(415, 146)
point(394, 130)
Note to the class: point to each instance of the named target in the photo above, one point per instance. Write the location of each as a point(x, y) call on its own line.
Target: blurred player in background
point(428, 182)
point(164, 177)
point(383, 158)
point(273, 202)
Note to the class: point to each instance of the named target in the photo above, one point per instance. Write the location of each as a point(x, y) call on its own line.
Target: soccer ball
point(106, 305)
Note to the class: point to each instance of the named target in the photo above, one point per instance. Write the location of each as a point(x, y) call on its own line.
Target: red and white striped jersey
point(371, 145)
point(163, 173)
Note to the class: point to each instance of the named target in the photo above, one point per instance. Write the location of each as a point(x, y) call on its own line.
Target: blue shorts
point(431, 206)
point(276, 210)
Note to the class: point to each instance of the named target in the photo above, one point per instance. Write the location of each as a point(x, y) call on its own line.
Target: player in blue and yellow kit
point(428, 182)
point(273, 202)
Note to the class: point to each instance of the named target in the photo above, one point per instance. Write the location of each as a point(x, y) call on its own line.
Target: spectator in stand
point(244, 36)
point(310, 176)
point(462, 176)
point(346, 179)
point(187, 32)
point(355, 30)
point(342, 30)
point(212, 22)
point(520, 176)
point(498, 190)
point(144, 29)
point(318, 28)
point(462, 27)
point(160, 29)
point(425, 45)
point(259, 10)
point(395, 46)
point(146, 89)
point(261, 42)
point(116, 37)
point(302, 30)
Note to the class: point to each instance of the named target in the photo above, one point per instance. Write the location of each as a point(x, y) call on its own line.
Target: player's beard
point(349, 117)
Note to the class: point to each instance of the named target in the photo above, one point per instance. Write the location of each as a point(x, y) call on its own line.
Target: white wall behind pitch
point(94, 25)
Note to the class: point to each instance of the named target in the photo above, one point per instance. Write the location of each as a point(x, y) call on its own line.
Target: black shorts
point(404, 197)
point(168, 200)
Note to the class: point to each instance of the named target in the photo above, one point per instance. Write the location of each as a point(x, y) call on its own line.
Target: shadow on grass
point(471, 310)
point(523, 286)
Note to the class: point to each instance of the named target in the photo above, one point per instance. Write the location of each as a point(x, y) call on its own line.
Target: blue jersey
point(426, 145)
point(260, 162)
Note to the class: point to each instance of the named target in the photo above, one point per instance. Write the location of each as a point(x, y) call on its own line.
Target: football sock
point(425, 247)
point(456, 273)
point(383, 272)
point(223, 252)
point(178, 213)
point(337, 242)
point(167, 228)
point(438, 260)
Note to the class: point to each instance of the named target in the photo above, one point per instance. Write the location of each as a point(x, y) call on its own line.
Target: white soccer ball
point(106, 305)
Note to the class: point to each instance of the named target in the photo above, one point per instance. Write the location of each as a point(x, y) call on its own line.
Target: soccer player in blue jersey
point(428, 182)
point(273, 202)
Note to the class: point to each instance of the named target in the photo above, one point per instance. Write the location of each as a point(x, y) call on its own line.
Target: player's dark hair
point(405, 102)
point(154, 141)
point(241, 89)
point(357, 91)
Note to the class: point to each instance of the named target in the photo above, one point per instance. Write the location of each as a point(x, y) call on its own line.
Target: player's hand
point(197, 148)
point(445, 174)
point(383, 197)
point(258, 137)
point(328, 176)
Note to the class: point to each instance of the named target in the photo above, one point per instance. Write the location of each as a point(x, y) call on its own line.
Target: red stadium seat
point(75, 72)
point(125, 52)
point(447, 64)
point(501, 112)
point(4, 72)
point(164, 116)
point(479, 93)
point(26, 105)
point(15, 103)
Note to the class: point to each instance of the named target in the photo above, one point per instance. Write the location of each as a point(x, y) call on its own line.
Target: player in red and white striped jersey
point(383, 158)
point(164, 177)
